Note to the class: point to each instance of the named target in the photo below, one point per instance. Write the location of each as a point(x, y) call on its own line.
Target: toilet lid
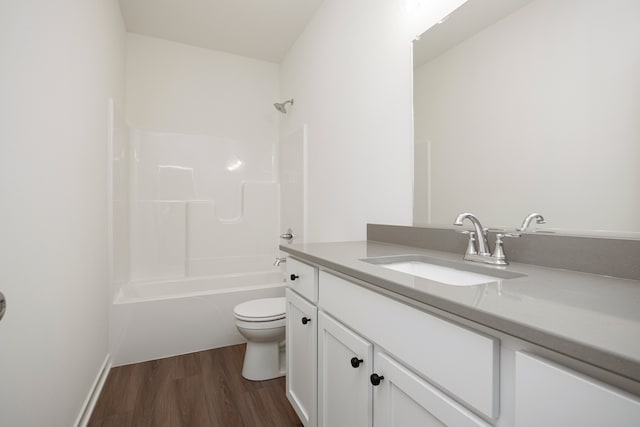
point(261, 310)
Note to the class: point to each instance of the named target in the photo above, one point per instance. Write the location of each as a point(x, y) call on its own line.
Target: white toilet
point(261, 322)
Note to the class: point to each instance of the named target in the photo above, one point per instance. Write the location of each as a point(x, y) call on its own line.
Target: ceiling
point(467, 20)
point(261, 29)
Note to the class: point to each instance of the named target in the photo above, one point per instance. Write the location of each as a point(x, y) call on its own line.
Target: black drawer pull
point(355, 362)
point(375, 379)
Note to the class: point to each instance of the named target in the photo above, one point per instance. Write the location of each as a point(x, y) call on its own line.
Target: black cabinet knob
point(355, 362)
point(375, 379)
point(305, 320)
point(294, 277)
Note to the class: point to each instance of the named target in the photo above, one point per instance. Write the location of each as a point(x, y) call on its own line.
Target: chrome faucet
point(280, 260)
point(527, 221)
point(480, 233)
point(478, 247)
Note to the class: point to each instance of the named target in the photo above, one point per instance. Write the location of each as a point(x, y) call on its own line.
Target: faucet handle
point(500, 236)
point(499, 256)
point(485, 231)
point(471, 245)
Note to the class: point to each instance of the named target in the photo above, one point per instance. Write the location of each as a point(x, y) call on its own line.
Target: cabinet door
point(345, 361)
point(301, 350)
point(553, 396)
point(404, 399)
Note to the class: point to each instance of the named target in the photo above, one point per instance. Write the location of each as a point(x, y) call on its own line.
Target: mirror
point(527, 106)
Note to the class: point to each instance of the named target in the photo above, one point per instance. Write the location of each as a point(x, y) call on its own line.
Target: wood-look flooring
point(192, 390)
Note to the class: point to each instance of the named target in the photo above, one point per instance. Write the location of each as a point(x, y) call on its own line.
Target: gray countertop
point(589, 317)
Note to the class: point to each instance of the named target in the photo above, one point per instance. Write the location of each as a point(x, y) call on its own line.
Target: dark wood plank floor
point(197, 389)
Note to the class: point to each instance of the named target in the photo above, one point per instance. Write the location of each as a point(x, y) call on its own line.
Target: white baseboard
point(94, 393)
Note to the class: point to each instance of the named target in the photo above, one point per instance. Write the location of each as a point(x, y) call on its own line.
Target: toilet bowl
point(261, 322)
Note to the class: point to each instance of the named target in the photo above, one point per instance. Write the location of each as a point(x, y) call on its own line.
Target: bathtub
point(152, 320)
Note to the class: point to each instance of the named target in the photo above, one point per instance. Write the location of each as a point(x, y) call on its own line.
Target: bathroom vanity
point(536, 346)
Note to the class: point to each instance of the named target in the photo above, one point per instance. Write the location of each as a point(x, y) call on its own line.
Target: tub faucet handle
point(288, 236)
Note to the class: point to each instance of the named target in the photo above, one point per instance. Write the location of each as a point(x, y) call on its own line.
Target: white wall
point(350, 73)
point(537, 113)
point(61, 62)
point(174, 87)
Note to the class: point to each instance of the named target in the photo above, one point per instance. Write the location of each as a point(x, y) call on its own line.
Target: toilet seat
point(261, 310)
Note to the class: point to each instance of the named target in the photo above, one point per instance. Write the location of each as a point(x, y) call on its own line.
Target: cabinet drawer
point(456, 359)
point(305, 279)
point(550, 395)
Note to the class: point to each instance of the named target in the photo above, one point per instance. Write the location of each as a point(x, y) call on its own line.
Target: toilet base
point(263, 361)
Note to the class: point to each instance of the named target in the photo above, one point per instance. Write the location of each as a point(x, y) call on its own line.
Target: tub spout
point(280, 260)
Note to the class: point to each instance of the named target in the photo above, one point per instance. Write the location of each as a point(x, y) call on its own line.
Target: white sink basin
point(442, 271)
point(447, 275)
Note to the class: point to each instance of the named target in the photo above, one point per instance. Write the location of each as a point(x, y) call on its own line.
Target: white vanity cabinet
point(302, 340)
point(366, 359)
point(345, 363)
point(550, 395)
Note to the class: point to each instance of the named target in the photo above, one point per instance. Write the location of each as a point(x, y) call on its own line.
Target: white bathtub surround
point(175, 239)
point(203, 185)
point(119, 189)
point(198, 205)
point(160, 319)
point(203, 198)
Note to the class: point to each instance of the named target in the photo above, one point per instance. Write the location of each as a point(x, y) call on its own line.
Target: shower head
point(281, 106)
